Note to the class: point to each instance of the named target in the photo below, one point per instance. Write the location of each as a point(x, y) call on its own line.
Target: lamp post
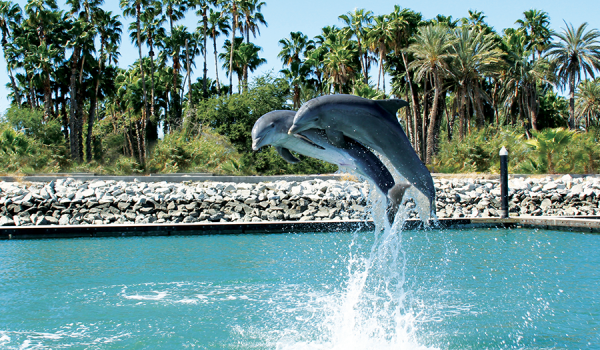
point(504, 182)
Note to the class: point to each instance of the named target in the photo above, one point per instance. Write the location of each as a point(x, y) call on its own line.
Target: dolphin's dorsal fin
point(336, 138)
point(391, 106)
point(287, 155)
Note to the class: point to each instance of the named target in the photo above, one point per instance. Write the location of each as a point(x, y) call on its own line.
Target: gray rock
point(546, 203)
point(6, 221)
point(146, 210)
point(64, 219)
point(51, 220)
point(40, 220)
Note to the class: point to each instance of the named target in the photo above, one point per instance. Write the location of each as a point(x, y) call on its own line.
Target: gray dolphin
point(372, 123)
point(272, 129)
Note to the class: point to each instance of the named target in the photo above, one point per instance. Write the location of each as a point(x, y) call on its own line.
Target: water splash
point(374, 310)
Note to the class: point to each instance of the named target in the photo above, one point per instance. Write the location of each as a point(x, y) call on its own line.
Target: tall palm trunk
point(380, 67)
point(432, 117)
point(414, 104)
point(363, 64)
point(73, 137)
point(495, 103)
point(92, 110)
point(205, 70)
point(235, 25)
point(152, 89)
point(572, 100)
point(462, 113)
point(14, 86)
point(189, 76)
point(216, 62)
point(79, 111)
point(533, 108)
point(10, 74)
point(479, 105)
point(146, 110)
point(47, 96)
point(31, 94)
point(64, 115)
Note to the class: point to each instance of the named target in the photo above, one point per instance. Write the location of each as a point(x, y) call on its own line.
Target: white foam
point(187, 301)
point(158, 296)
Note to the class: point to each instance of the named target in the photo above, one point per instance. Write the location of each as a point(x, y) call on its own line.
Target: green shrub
point(31, 122)
point(208, 152)
point(479, 151)
point(21, 154)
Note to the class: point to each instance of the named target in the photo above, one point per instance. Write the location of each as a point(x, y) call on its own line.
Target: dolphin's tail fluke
point(395, 195)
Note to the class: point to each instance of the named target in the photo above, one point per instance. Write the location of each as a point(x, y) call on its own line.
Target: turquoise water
point(473, 289)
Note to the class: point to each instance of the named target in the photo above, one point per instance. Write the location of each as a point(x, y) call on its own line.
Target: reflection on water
point(388, 289)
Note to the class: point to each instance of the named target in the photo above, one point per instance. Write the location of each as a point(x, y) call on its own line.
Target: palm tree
point(535, 25)
point(521, 77)
point(109, 28)
point(245, 59)
point(381, 36)
point(203, 12)
point(295, 48)
point(252, 17)
point(431, 51)
point(251, 21)
point(232, 8)
point(193, 47)
point(172, 46)
point(405, 24)
point(249, 60)
point(219, 24)
point(587, 101)
point(474, 57)
point(296, 74)
point(357, 22)
point(133, 8)
point(294, 55)
point(82, 34)
point(174, 10)
point(40, 17)
point(10, 17)
point(575, 52)
point(152, 31)
point(228, 66)
point(445, 20)
point(340, 63)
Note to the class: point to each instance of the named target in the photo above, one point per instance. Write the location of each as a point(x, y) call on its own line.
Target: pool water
point(450, 289)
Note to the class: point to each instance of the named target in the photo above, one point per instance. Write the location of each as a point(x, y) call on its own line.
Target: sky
point(309, 16)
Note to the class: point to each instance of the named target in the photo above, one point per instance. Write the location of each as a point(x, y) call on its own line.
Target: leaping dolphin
point(372, 123)
point(272, 129)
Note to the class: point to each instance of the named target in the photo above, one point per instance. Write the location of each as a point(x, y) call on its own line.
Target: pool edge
point(581, 224)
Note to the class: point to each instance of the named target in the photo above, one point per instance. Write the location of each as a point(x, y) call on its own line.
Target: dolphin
point(374, 124)
point(272, 129)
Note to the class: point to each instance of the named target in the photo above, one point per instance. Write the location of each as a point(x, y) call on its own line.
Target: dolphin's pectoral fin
point(392, 106)
point(287, 155)
point(395, 195)
point(336, 138)
point(307, 140)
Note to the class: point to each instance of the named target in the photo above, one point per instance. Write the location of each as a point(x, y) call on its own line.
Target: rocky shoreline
point(72, 202)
